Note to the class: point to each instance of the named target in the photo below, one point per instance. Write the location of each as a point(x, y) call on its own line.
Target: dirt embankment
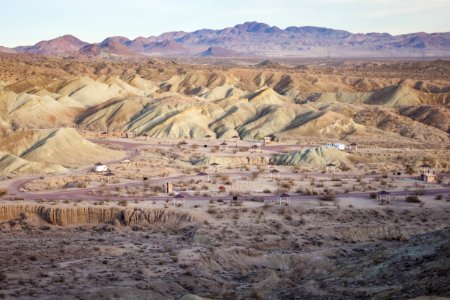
point(64, 216)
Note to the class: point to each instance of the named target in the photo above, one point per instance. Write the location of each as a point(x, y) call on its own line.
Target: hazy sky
point(24, 22)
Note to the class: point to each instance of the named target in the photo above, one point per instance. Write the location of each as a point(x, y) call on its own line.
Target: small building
point(179, 200)
point(215, 166)
point(204, 174)
point(130, 135)
point(284, 198)
point(426, 168)
point(383, 197)
point(427, 173)
point(269, 165)
point(353, 147)
point(267, 140)
point(208, 137)
point(99, 167)
point(274, 172)
point(338, 146)
point(255, 148)
point(108, 175)
point(224, 146)
point(428, 177)
point(236, 201)
point(104, 135)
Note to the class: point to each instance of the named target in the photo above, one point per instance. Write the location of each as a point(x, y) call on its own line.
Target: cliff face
point(64, 216)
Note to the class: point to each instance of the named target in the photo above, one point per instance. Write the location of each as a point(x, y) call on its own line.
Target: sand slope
point(57, 146)
point(29, 110)
point(11, 164)
point(317, 157)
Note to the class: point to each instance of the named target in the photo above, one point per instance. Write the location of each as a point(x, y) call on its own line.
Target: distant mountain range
point(252, 39)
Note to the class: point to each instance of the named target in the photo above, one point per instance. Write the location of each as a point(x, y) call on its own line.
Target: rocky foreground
point(219, 251)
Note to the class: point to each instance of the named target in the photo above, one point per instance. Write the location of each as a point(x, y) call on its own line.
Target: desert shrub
point(373, 195)
point(328, 198)
point(81, 185)
point(439, 197)
point(254, 175)
point(3, 192)
point(413, 199)
point(211, 210)
point(266, 191)
point(286, 185)
point(157, 189)
point(122, 203)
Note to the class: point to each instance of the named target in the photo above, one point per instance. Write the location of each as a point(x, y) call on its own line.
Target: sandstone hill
point(248, 102)
point(56, 147)
point(317, 157)
point(167, 100)
point(11, 164)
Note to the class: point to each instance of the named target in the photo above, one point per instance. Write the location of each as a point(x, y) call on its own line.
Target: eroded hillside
point(161, 99)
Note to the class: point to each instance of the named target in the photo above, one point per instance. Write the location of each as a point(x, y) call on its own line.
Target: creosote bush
point(328, 198)
point(413, 199)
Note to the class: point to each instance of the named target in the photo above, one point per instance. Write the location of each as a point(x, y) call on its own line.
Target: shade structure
point(179, 200)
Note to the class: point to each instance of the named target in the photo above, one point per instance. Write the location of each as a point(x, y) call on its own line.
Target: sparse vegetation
point(413, 199)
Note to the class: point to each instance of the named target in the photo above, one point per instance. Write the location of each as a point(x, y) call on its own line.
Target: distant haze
point(27, 22)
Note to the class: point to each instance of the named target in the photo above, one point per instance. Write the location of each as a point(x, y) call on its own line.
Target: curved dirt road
point(14, 187)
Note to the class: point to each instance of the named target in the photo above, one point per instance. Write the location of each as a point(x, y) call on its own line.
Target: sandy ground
point(228, 251)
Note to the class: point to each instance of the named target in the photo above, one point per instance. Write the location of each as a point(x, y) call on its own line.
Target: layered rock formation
point(65, 216)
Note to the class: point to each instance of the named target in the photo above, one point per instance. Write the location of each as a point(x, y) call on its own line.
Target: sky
point(25, 22)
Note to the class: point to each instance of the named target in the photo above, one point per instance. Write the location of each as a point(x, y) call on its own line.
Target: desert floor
point(82, 235)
